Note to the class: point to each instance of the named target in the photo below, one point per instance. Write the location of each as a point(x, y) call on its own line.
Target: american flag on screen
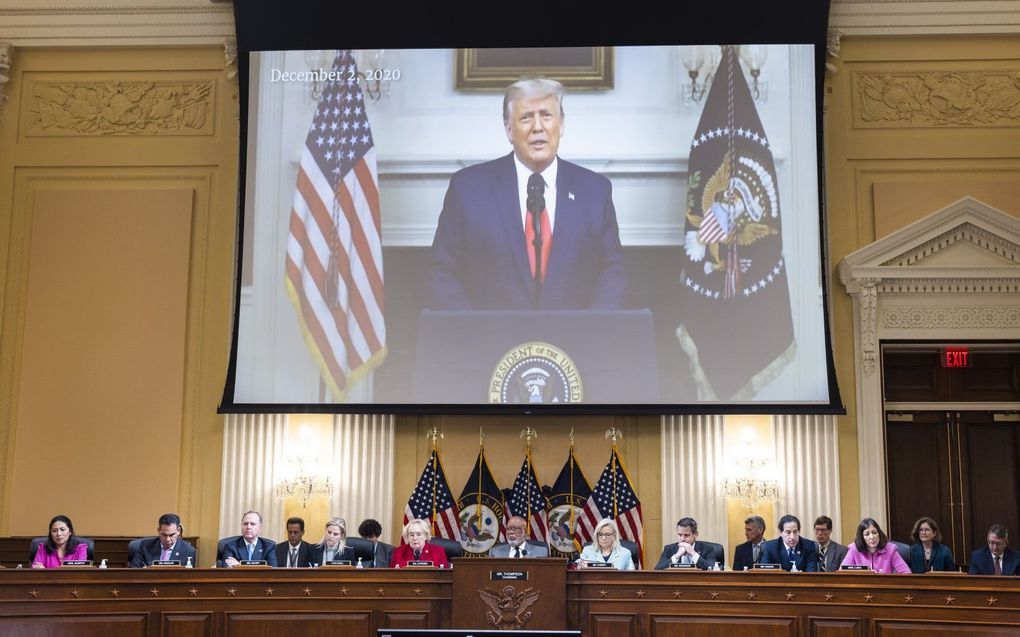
point(334, 252)
point(526, 500)
point(432, 500)
point(613, 498)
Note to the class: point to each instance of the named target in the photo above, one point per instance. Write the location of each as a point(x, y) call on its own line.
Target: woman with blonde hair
point(606, 548)
point(333, 547)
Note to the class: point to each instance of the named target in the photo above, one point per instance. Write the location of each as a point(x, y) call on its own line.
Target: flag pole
point(528, 433)
point(614, 433)
point(434, 433)
point(570, 461)
point(481, 455)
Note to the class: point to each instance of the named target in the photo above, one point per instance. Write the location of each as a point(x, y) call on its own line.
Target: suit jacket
point(383, 555)
point(318, 551)
point(708, 554)
point(743, 556)
point(806, 553)
point(149, 551)
point(303, 556)
point(431, 552)
point(834, 554)
point(479, 259)
point(981, 562)
point(531, 550)
point(941, 558)
point(264, 550)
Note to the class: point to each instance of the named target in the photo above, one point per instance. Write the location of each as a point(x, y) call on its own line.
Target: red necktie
point(529, 236)
point(998, 566)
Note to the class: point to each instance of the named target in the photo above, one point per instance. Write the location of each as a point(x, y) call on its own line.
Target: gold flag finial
point(528, 433)
point(571, 437)
point(434, 434)
point(614, 434)
point(481, 437)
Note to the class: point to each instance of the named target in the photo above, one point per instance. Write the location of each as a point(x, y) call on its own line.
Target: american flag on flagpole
point(613, 498)
point(334, 269)
point(432, 500)
point(526, 500)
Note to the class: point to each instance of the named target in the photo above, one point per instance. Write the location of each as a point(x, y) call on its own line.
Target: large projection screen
point(387, 252)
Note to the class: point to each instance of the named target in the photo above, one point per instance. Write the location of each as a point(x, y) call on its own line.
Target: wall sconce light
point(753, 56)
point(699, 61)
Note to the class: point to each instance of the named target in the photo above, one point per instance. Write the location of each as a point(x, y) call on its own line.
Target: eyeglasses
point(515, 528)
point(610, 534)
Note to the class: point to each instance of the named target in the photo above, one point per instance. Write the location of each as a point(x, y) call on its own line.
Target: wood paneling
point(687, 626)
point(834, 627)
point(925, 629)
point(187, 624)
point(83, 625)
point(612, 625)
point(352, 624)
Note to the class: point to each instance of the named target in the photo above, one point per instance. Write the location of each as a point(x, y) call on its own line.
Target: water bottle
point(103, 563)
point(716, 567)
point(359, 564)
point(189, 564)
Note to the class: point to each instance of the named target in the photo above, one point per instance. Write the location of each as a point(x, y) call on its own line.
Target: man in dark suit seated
point(790, 548)
point(689, 550)
point(517, 544)
point(382, 552)
point(167, 546)
point(295, 551)
point(746, 555)
point(830, 553)
point(486, 242)
point(249, 547)
point(996, 558)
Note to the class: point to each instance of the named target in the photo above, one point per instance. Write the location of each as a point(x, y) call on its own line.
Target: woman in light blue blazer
point(606, 548)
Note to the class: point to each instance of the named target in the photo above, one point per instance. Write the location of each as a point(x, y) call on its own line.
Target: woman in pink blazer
point(873, 549)
point(62, 545)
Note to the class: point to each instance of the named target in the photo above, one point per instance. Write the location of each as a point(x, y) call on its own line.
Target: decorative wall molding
point(907, 285)
point(807, 452)
point(87, 108)
point(940, 98)
point(941, 317)
point(924, 17)
point(160, 22)
point(6, 59)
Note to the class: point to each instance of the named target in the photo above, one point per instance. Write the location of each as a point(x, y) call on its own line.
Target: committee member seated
point(746, 555)
point(790, 549)
point(830, 554)
point(928, 553)
point(249, 546)
point(606, 548)
point(873, 549)
point(996, 558)
point(382, 552)
point(61, 546)
point(168, 545)
point(484, 250)
point(295, 551)
point(416, 548)
point(333, 547)
point(689, 550)
point(517, 544)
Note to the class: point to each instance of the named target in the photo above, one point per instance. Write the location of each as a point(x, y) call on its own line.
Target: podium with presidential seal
point(510, 594)
point(536, 357)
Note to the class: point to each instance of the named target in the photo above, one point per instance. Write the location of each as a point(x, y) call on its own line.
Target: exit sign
point(955, 357)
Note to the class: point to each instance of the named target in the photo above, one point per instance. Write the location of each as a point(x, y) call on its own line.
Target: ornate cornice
point(121, 107)
point(951, 317)
point(965, 232)
point(924, 17)
point(6, 59)
point(177, 22)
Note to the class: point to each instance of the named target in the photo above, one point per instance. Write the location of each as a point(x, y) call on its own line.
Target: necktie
point(545, 230)
point(756, 550)
point(251, 551)
point(789, 552)
point(417, 555)
point(821, 559)
point(164, 555)
point(998, 565)
point(292, 560)
point(686, 559)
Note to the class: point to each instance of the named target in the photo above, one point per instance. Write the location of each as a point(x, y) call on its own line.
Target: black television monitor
point(384, 175)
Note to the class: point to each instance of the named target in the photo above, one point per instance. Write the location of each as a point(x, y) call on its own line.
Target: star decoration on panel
point(868, 598)
point(232, 592)
point(949, 600)
point(909, 599)
point(193, 592)
point(269, 591)
point(307, 591)
point(154, 591)
point(790, 596)
point(343, 591)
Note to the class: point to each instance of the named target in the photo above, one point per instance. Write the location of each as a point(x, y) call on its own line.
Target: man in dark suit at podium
point(746, 555)
point(295, 551)
point(790, 548)
point(517, 544)
point(249, 546)
point(528, 230)
point(996, 558)
point(168, 545)
point(689, 550)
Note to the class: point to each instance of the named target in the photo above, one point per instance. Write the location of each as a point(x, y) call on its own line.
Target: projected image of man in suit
point(528, 230)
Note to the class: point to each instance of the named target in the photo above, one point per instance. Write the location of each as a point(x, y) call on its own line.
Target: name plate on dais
point(166, 563)
point(77, 563)
point(253, 564)
point(421, 563)
point(768, 567)
point(854, 567)
point(600, 565)
point(346, 563)
point(508, 575)
point(679, 565)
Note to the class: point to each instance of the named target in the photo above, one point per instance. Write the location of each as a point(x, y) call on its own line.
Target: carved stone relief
point(869, 333)
point(916, 99)
point(960, 317)
point(124, 107)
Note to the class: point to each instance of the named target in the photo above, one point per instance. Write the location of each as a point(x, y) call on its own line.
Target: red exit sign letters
point(955, 357)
